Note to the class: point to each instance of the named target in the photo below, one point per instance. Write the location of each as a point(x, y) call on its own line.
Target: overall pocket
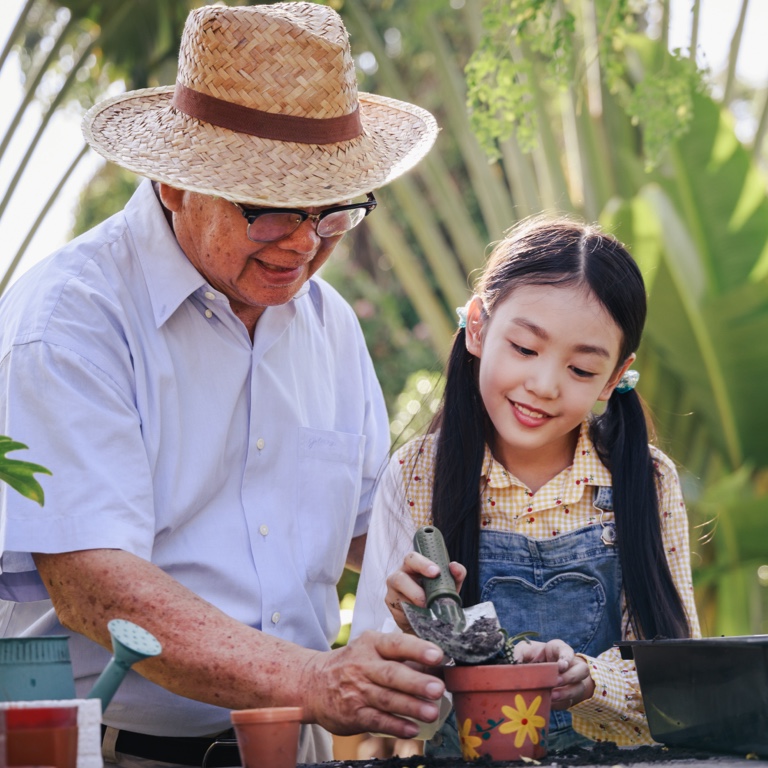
point(569, 606)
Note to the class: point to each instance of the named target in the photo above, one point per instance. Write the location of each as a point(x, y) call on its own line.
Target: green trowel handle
point(429, 542)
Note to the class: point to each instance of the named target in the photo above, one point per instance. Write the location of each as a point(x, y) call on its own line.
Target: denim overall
point(566, 587)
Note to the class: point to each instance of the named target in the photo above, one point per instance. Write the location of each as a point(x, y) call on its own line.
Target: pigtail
point(621, 437)
point(458, 465)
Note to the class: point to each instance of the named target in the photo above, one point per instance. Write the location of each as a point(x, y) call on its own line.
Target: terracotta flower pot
point(502, 710)
point(268, 737)
point(42, 736)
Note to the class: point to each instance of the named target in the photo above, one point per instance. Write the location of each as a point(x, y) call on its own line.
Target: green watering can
point(39, 668)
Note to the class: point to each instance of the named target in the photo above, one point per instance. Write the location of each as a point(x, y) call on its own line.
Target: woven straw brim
point(143, 133)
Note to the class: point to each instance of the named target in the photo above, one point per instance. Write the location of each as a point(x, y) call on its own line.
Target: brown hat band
point(266, 125)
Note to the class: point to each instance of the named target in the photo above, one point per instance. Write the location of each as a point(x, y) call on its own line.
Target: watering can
point(38, 668)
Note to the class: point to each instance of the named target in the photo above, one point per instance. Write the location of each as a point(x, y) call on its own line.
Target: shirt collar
point(495, 473)
point(170, 276)
point(315, 294)
point(587, 469)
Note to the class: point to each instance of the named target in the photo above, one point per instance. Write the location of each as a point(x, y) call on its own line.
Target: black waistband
point(206, 751)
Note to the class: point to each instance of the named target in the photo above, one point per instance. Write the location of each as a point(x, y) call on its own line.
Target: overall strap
point(602, 498)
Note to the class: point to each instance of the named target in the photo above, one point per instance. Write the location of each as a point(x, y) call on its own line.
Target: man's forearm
point(211, 657)
point(207, 655)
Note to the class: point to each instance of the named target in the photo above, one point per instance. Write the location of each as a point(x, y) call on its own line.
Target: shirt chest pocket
point(329, 477)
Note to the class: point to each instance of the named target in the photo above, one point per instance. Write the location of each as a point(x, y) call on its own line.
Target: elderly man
point(206, 403)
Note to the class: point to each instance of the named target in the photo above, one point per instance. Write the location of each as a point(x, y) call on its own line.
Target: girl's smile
point(531, 417)
point(547, 354)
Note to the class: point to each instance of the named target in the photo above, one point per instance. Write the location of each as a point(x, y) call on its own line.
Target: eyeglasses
point(265, 225)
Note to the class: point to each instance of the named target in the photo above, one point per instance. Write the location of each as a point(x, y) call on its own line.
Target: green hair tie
point(628, 381)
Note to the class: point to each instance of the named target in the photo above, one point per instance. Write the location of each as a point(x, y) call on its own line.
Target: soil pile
point(605, 754)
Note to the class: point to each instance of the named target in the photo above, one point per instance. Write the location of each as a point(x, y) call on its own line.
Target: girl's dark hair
point(560, 252)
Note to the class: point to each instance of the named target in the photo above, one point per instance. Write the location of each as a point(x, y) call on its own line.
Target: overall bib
point(567, 587)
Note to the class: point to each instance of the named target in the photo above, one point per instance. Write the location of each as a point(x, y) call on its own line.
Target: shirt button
point(260, 443)
point(208, 313)
point(264, 530)
point(275, 617)
point(209, 295)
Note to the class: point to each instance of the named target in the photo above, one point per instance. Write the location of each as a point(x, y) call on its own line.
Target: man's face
point(213, 234)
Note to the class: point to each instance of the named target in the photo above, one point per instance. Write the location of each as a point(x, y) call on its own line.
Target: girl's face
point(547, 355)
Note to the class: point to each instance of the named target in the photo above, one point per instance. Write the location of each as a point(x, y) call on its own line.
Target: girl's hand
point(404, 585)
point(574, 683)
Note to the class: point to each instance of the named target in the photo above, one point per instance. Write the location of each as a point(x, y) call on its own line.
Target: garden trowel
point(468, 636)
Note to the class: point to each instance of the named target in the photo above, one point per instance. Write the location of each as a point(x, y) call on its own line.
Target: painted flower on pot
point(523, 720)
point(469, 741)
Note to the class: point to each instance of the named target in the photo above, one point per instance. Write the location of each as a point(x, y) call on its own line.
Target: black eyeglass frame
point(252, 214)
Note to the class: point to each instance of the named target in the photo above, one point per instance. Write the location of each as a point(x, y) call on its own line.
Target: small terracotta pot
point(268, 737)
point(42, 736)
point(502, 710)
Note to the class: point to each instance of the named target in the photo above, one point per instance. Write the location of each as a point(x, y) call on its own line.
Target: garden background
point(576, 106)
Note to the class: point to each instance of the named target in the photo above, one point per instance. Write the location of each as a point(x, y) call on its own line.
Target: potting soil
point(603, 754)
point(481, 637)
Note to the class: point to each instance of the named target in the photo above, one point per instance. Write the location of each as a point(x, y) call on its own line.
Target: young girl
point(568, 521)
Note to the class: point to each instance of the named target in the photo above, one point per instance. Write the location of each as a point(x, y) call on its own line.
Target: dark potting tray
point(707, 693)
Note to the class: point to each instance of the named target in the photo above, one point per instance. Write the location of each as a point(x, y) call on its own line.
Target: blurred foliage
point(529, 46)
point(392, 330)
point(346, 605)
point(107, 192)
point(662, 105)
point(416, 406)
point(136, 42)
point(501, 95)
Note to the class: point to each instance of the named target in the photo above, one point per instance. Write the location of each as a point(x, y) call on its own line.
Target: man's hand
point(365, 686)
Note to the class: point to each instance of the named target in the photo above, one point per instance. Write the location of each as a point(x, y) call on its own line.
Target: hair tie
point(462, 313)
point(628, 381)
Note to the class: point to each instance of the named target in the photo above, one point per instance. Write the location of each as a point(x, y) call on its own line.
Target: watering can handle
point(429, 542)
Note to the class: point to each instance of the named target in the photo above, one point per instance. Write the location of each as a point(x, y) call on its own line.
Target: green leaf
point(20, 474)
point(699, 235)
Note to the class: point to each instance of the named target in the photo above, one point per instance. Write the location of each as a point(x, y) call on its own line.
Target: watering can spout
point(130, 643)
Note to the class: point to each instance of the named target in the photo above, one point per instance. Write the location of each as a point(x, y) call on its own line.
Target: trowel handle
point(429, 542)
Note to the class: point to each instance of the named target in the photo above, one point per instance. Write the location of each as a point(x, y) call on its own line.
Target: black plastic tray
point(708, 693)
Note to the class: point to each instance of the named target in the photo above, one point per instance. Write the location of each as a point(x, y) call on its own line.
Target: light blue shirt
point(242, 470)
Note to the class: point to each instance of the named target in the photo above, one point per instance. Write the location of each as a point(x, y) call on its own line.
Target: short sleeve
point(81, 425)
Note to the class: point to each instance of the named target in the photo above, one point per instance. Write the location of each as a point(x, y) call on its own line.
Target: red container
point(502, 710)
point(268, 737)
point(3, 750)
point(42, 736)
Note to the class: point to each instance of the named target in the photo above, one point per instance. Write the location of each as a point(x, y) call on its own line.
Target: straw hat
point(265, 111)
